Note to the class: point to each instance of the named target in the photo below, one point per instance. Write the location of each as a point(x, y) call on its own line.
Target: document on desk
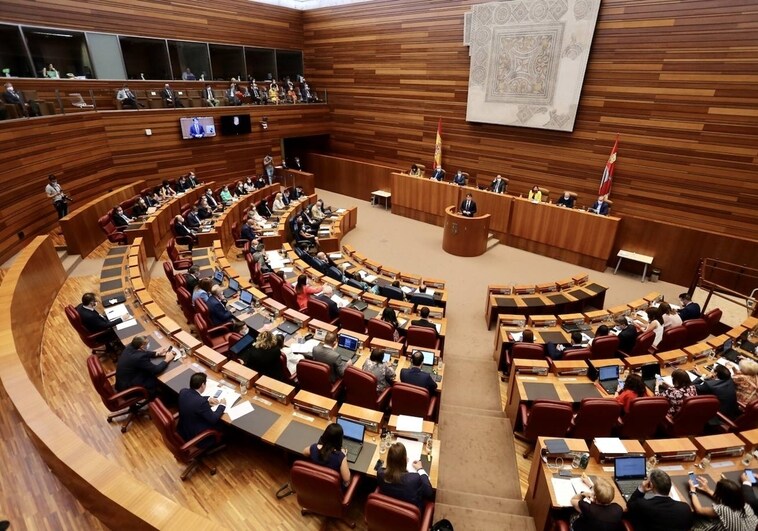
point(227, 393)
point(339, 301)
point(413, 451)
point(119, 310)
point(610, 445)
point(516, 336)
point(240, 410)
point(564, 491)
point(401, 322)
point(335, 256)
point(406, 289)
point(304, 348)
point(409, 423)
point(126, 324)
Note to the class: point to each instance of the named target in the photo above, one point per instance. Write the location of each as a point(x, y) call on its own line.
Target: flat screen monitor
point(238, 124)
point(197, 127)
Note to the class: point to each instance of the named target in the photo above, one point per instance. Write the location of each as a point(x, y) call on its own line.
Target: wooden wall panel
point(222, 21)
point(349, 177)
point(676, 79)
point(94, 153)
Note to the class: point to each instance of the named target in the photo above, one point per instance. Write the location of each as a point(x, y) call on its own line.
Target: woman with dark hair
point(729, 511)
point(670, 317)
point(654, 323)
point(385, 375)
point(601, 331)
point(682, 388)
point(389, 316)
point(328, 452)
point(634, 387)
point(397, 482)
point(535, 194)
point(528, 336)
point(303, 291)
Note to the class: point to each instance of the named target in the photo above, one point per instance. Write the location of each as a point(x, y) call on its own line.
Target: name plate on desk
point(245, 376)
point(570, 368)
point(279, 391)
point(723, 445)
point(296, 317)
point(531, 369)
point(681, 449)
point(274, 306)
point(368, 417)
point(315, 324)
point(210, 357)
point(316, 404)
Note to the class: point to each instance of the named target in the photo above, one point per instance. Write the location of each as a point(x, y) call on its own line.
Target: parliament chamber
point(368, 89)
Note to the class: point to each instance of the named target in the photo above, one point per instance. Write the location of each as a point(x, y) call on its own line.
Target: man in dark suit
point(660, 512)
point(326, 297)
point(298, 193)
point(690, 310)
point(191, 179)
point(415, 376)
point(182, 231)
point(424, 321)
point(11, 97)
point(217, 312)
point(600, 206)
point(286, 197)
point(195, 413)
point(556, 351)
point(720, 384)
point(438, 174)
point(212, 203)
point(192, 221)
point(322, 262)
point(628, 334)
point(192, 277)
point(248, 230)
point(169, 98)
point(566, 200)
point(499, 186)
point(94, 322)
point(263, 209)
point(182, 185)
point(325, 353)
point(459, 178)
point(196, 130)
point(468, 207)
point(134, 367)
point(119, 218)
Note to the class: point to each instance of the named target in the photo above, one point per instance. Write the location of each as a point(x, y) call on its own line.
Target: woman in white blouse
point(279, 202)
point(670, 317)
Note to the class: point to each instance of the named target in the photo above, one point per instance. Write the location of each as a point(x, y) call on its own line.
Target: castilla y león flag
point(607, 181)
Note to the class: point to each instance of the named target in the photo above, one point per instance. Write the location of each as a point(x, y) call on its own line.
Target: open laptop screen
point(428, 357)
point(629, 467)
point(218, 276)
point(609, 372)
point(352, 430)
point(233, 284)
point(242, 344)
point(246, 297)
point(348, 342)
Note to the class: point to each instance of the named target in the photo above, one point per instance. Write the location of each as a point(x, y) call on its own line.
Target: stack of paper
point(304, 348)
point(119, 310)
point(413, 450)
point(227, 393)
point(126, 324)
point(240, 410)
point(410, 424)
point(609, 445)
point(406, 289)
point(563, 490)
point(516, 336)
point(339, 301)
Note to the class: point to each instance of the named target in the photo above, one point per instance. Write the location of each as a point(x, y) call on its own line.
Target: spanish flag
point(607, 181)
point(438, 147)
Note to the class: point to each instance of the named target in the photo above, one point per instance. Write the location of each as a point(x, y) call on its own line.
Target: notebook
point(628, 473)
point(288, 327)
point(352, 438)
point(346, 346)
point(241, 345)
point(608, 378)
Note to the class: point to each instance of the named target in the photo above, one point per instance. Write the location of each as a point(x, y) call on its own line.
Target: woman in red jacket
point(634, 387)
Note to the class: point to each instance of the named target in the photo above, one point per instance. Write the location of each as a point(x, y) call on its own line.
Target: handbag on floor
point(443, 525)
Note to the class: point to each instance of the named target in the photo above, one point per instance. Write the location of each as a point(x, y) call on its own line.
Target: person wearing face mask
point(60, 200)
point(95, 322)
point(26, 108)
point(119, 218)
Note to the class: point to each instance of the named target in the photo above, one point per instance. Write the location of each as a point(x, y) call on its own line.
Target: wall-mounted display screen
point(197, 127)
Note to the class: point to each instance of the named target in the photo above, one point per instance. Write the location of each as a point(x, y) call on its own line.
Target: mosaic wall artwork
point(528, 59)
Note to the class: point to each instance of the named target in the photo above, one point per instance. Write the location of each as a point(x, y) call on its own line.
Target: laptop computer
point(245, 300)
point(608, 378)
point(346, 346)
point(728, 351)
point(427, 365)
point(218, 277)
point(352, 438)
point(233, 288)
point(242, 344)
point(570, 328)
point(649, 373)
point(288, 327)
point(628, 473)
point(359, 305)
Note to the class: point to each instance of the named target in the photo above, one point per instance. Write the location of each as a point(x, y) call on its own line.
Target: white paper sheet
point(304, 348)
point(126, 324)
point(579, 486)
point(610, 445)
point(413, 450)
point(406, 289)
point(240, 410)
point(227, 393)
point(517, 336)
point(339, 301)
point(410, 424)
point(114, 312)
point(563, 490)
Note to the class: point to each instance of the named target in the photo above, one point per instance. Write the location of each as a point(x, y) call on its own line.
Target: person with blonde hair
point(595, 507)
point(264, 356)
point(279, 202)
point(746, 381)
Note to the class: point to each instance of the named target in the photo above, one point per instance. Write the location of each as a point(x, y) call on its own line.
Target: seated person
point(286, 197)
point(95, 322)
point(231, 95)
point(217, 311)
point(167, 191)
point(746, 381)
point(438, 174)
point(260, 182)
point(319, 211)
point(279, 202)
point(528, 336)
point(249, 184)
point(654, 324)
point(202, 290)
point(326, 297)
point(239, 189)
point(209, 97)
point(322, 261)
point(134, 368)
point(682, 388)
point(303, 289)
point(730, 511)
point(689, 309)
point(396, 482)
point(213, 205)
point(459, 178)
point(535, 194)
point(634, 387)
point(263, 209)
point(182, 184)
point(596, 508)
point(140, 207)
point(556, 351)
point(389, 316)
point(13, 97)
point(325, 353)
point(670, 317)
point(600, 206)
point(204, 210)
point(259, 255)
point(191, 179)
point(127, 98)
point(628, 334)
point(225, 195)
point(659, 512)
point(384, 373)
point(328, 452)
point(468, 207)
point(424, 320)
point(195, 413)
point(415, 376)
point(415, 172)
point(182, 231)
point(720, 383)
point(264, 356)
point(169, 97)
point(601, 331)
point(566, 200)
point(248, 231)
point(298, 193)
point(119, 218)
point(193, 218)
point(192, 277)
point(499, 186)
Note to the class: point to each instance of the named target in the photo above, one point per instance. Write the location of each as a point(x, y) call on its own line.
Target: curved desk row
point(574, 236)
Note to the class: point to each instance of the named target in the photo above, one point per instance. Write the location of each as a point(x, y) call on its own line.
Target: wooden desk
point(465, 236)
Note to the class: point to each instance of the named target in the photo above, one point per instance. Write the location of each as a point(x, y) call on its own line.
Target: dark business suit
point(264, 361)
point(627, 339)
point(248, 232)
point(415, 376)
point(217, 312)
point(212, 203)
point(192, 221)
point(468, 208)
point(286, 200)
point(195, 414)
point(413, 488)
point(119, 220)
point(183, 185)
point(191, 281)
point(296, 194)
point(263, 209)
point(691, 311)
point(725, 391)
point(134, 368)
point(93, 321)
point(498, 186)
point(333, 308)
point(170, 99)
point(459, 179)
point(138, 209)
point(568, 203)
point(600, 208)
point(332, 358)
point(424, 322)
point(181, 230)
point(659, 513)
point(438, 175)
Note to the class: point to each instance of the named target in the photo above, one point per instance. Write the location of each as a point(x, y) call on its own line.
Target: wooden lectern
point(464, 236)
